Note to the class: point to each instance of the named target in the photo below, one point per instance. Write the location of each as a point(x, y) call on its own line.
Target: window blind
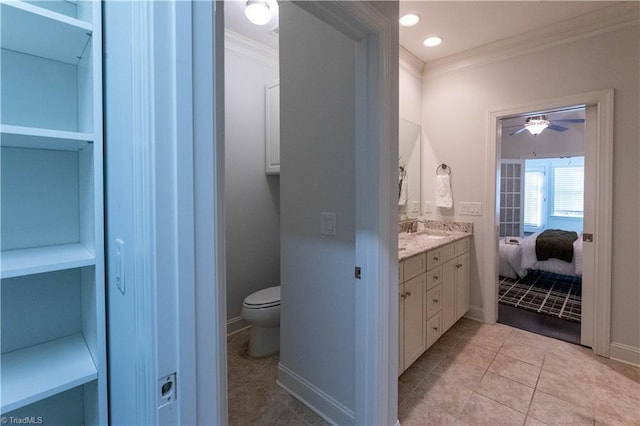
point(534, 198)
point(568, 197)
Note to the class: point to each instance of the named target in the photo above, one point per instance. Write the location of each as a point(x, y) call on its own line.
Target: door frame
point(599, 161)
point(376, 38)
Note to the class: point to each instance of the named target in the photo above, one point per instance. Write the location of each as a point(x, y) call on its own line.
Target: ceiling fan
point(537, 123)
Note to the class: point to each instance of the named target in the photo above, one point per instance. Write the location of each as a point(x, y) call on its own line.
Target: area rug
point(544, 292)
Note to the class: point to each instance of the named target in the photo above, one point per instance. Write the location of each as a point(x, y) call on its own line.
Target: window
point(533, 198)
point(568, 191)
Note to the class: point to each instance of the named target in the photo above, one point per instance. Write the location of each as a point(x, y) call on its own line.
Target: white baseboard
point(235, 325)
point(475, 313)
point(625, 353)
point(318, 401)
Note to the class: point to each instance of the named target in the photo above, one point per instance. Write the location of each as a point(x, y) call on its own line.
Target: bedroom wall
point(454, 119)
point(252, 198)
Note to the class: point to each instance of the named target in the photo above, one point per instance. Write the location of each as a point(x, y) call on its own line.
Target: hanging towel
point(402, 197)
point(444, 198)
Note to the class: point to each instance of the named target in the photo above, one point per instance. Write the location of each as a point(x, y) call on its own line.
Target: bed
point(517, 256)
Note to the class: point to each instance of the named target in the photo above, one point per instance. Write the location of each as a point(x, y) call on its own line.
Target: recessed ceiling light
point(432, 41)
point(257, 12)
point(409, 20)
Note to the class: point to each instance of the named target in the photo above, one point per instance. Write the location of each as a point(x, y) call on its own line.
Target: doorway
point(541, 199)
point(598, 154)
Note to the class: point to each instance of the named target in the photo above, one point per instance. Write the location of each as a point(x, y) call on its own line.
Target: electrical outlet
point(415, 207)
point(470, 208)
point(428, 207)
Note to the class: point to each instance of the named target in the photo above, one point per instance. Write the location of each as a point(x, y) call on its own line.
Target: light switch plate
point(470, 208)
point(328, 223)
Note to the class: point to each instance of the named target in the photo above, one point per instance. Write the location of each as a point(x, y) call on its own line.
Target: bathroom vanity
point(433, 278)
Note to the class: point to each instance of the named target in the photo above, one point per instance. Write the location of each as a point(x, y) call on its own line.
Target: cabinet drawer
point(434, 258)
point(434, 277)
point(400, 272)
point(434, 328)
point(434, 300)
point(462, 246)
point(414, 266)
point(448, 252)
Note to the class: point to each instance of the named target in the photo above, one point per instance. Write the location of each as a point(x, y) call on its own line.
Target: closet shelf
point(17, 263)
point(40, 371)
point(33, 137)
point(40, 32)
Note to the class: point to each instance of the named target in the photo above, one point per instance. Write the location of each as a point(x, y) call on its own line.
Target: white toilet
point(262, 310)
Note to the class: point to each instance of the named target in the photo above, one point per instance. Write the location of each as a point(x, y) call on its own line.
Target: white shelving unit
point(51, 237)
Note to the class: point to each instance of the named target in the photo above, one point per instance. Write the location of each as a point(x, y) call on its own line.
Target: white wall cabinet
point(52, 267)
point(272, 129)
point(441, 279)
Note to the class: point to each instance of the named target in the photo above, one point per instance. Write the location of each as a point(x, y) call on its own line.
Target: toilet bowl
point(262, 310)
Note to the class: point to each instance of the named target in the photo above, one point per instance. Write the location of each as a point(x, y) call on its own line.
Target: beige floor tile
point(612, 402)
point(409, 380)
point(475, 355)
point(415, 415)
point(514, 369)
point(554, 411)
point(512, 394)
point(530, 421)
point(459, 372)
point(480, 410)
point(523, 352)
point(429, 360)
point(576, 365)
point(567, 388)
point(490, 341)
point(437, 394)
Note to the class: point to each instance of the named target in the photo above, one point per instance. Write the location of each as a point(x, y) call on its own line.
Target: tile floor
point(476, 374)
point(254, 398)
point(479, 374)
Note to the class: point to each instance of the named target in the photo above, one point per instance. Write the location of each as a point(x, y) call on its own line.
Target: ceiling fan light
point(536, 126)
point(257, 12)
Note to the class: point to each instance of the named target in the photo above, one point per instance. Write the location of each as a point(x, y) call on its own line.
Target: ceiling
point(466, 25)
point(463, 25)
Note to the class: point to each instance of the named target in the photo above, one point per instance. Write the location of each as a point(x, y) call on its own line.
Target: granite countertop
point(434, 236)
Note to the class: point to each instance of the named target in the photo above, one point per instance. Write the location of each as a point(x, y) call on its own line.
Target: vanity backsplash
point(411, 225)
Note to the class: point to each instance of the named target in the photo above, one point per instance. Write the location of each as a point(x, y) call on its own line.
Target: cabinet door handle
point(436, 278)
point(436, 258)
point(459, 265)
point(408, 293)
point(435, 328)
point(435, 300)
point(403, 295)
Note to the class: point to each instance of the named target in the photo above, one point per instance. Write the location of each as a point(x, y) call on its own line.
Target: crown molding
point(245, 46)
point(585, 26)
point(411, 63)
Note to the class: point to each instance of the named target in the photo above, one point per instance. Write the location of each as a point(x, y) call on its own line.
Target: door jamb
point(603, 100)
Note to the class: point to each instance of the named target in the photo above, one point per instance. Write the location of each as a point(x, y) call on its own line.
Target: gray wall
point(251, 197)
point(317, 175)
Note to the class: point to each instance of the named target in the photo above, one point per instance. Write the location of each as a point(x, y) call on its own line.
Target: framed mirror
point(409, 168)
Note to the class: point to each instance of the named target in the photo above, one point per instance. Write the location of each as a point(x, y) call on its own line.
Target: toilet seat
point(266, 298)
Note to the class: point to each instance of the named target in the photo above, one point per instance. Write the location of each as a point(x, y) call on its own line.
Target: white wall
point(455, 110)
point(545, 145)
point(317, 71)
point(252, 198)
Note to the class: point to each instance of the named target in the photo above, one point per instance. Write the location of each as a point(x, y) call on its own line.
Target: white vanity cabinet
point(51, 259)
point(411, 310)
point(441, 276)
